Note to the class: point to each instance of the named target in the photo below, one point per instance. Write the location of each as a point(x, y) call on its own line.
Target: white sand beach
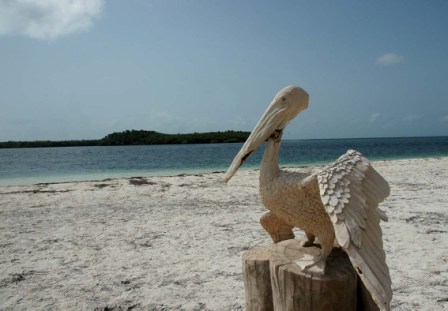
point(163, 243)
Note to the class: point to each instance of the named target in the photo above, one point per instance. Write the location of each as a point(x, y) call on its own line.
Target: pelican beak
point(279, 113)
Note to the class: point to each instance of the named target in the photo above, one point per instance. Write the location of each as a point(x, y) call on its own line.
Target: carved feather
point(356, 219)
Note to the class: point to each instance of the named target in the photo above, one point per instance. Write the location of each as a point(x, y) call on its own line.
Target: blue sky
point(83, 69)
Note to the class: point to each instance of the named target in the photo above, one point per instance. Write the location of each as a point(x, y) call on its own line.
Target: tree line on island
point(135, 137)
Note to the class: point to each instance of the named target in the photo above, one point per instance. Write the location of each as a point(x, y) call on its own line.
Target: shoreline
point(175, 242)
point(86, 177)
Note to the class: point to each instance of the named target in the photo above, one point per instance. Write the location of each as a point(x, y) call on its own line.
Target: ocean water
point(38, 165)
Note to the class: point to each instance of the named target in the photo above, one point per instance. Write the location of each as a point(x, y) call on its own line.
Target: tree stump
point(273, 281)
point(257, 279)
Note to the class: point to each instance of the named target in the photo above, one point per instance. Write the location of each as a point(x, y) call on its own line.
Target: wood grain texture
point(294, 289)
point(273, 281)
point(257, 279)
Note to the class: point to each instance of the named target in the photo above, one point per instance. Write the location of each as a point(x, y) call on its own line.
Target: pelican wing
point(351, 190)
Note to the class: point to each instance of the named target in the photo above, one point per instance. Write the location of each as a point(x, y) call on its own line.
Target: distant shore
point(176, 242)
point(134, 137)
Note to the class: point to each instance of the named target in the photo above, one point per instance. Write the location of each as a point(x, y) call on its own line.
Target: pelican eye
point(283, 98)
point(276, 134)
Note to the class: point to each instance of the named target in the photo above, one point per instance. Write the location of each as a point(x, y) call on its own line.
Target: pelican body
point(338, 205)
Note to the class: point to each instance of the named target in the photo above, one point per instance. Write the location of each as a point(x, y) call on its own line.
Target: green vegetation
point(48, 143)
point(138, 138)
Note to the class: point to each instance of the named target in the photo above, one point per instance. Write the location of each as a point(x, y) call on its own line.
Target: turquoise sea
point(39, 165)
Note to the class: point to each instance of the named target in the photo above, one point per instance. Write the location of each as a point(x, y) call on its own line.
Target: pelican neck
point(269, 163)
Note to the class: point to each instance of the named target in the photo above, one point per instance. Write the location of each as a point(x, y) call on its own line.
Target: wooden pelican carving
point(338, 204)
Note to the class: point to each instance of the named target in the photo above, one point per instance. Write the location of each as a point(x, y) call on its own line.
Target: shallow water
point(36, 165)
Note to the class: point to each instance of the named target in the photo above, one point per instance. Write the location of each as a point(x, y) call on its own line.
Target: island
point(138, 137)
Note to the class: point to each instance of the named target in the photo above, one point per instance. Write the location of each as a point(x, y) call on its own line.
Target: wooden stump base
point(273, 281)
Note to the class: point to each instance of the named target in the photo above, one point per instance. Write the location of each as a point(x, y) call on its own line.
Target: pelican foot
point(314, 264)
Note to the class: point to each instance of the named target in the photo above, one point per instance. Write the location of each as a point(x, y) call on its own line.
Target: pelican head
point(285, 106)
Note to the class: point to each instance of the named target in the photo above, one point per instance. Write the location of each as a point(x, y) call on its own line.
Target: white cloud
point(389, 59)
point(47, 19)
point(374, 117)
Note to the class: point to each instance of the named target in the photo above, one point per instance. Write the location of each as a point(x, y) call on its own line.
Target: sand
point(163, 243)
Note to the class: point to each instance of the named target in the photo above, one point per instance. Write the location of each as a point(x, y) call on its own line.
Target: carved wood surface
point(273, 281)
point(339, 203)
point(257, 279)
